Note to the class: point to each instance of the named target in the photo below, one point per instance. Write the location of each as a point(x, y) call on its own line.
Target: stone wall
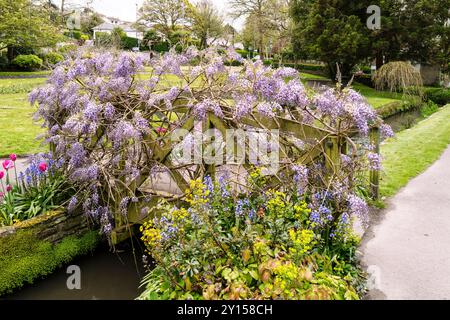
point(430, 74)
point(53, 226)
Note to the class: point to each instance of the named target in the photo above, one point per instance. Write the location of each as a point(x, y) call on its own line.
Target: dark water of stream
point(104, 276)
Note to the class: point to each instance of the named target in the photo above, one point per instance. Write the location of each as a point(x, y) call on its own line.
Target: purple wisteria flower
point(293, 94)
point(268, 109)
point(300, 178)
point(358, 207)
point(374, 161)
point(202, 108)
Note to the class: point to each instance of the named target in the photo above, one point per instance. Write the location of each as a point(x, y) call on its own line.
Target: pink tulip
point(13, 157)
point(161, 130)
point(2, 174)
point(8, 188)
point(8, 164)
point(1, 194)
point(43, 167)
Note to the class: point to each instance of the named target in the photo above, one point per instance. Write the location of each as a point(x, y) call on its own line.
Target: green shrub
point(243, 53)
point(129, 43)
point(427, 109)
point(440, 96)
point(67, 49)
point(28, 62)
point(24, 258)
point(161, 47)
point(52, 58)
point(74, 34)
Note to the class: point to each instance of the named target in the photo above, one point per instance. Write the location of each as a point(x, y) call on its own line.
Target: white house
point(108, 27)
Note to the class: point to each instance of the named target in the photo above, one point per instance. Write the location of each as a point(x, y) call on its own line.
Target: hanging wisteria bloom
point(110, 120)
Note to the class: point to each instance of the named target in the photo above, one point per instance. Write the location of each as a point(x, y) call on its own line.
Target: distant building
point(111, 23)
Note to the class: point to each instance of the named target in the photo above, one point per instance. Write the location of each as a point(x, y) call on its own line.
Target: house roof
point(111, 26)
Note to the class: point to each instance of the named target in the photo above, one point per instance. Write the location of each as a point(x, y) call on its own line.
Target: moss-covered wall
point(35, 248)
point(52, 227)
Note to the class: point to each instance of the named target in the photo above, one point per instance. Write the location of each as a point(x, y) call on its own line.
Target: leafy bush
point(440, 96)
point(64, 50)
point(28, 62)
point(42, 188)
point(74, 34)
point(161, 47)
point(244, 53)
point(52, 58)
point(428, 108)
point(129, 43)
point(24, 258)
point(263, 246)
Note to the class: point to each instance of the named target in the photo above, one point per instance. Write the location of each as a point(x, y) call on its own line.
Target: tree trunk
point(10, 54)
point(379, 59)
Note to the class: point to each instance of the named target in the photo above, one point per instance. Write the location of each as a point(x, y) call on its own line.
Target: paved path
point(408, 250)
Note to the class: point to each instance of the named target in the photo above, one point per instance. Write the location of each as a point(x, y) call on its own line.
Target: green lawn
point(308, 76)
point(9, 86)
point(376, 98)
point(24, 73)
point(18, 131)
point(412, 151)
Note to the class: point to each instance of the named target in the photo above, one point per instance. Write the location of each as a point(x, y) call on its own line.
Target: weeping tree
point(398, 76)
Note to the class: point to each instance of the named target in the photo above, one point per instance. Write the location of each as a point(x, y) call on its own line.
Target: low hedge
point(24, 258)
point(440, 96)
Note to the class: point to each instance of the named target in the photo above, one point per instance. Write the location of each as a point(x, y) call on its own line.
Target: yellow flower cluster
point(150, 235)
point(277, 203)
point(303, 240)
point(197, 193)
point(301, 210)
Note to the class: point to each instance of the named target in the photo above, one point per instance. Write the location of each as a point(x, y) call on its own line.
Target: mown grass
point(376, 98)
point(18, 131)
point(24, 73)
point(412, 151)
point(9, 86)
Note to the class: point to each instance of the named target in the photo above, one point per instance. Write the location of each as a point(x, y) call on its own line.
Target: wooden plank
point(375, 174)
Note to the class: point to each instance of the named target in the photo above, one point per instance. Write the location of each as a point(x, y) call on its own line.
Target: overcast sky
point(126, 9)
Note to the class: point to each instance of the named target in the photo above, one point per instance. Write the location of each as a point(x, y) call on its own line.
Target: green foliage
point(24, 258)
point(74, 34)
point(440, 96)
point(28, 62)
point(427, 109)
point(25, 23)
point(52, 58)
point(129, 43)
point(260, 247)
point(161, 47)
point(331, 31)
point(244, 53)
point(64, 50)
